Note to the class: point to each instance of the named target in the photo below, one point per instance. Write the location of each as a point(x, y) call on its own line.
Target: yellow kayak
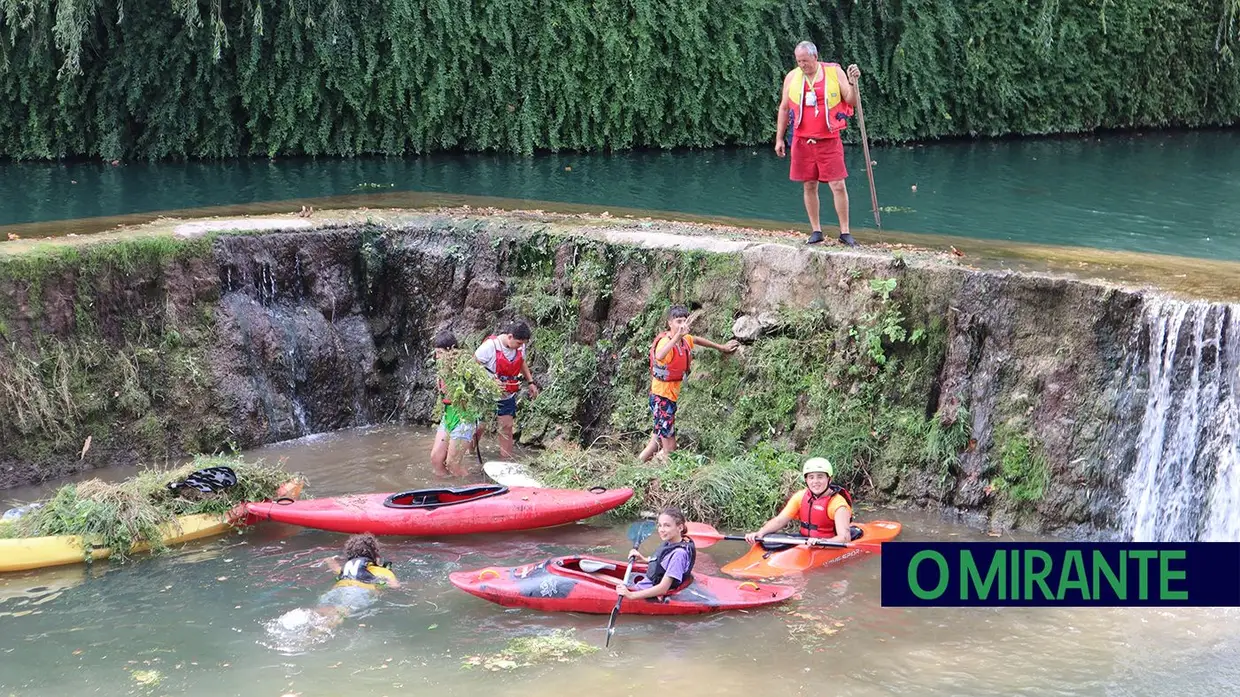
point(18, 554)
point(22, 592)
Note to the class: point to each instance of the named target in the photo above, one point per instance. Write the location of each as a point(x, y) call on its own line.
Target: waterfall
point(1186, 482)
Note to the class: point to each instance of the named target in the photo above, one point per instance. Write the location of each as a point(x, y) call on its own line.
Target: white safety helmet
point(818, 464)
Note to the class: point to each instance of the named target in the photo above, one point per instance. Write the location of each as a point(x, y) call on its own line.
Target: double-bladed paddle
point(704, 536)
point(638, 532)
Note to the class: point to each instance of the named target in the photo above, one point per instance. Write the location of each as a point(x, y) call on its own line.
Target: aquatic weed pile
point(118, 515)
point(469, 386)
point(560, 646)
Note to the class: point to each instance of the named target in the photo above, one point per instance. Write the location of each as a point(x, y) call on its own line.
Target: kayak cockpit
point(438, 498)
point(596, 570)
point(611, 573)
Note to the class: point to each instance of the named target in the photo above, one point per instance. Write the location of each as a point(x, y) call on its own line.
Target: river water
point(1163, 192)
point(198, 616)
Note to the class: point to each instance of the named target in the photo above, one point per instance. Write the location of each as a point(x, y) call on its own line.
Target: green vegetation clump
point(468, 385)
point(1023, 472)
point(739, 492)
point(119, 515)
point(558, 646)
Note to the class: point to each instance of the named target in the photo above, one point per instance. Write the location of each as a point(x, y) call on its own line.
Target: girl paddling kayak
point(671, 566)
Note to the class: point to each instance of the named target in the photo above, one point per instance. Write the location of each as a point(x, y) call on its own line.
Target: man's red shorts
point(817, 160)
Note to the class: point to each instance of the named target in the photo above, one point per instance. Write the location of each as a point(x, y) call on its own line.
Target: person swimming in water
point(363, 572)
point(358, 581)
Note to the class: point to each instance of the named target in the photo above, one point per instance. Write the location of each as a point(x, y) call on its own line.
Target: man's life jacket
point(838, 110)
point(508, 372)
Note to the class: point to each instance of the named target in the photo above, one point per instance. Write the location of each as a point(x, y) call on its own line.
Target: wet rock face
point(261, 338)
point(294, 347)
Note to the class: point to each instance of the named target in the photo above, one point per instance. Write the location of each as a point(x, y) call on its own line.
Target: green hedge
point(154, 78)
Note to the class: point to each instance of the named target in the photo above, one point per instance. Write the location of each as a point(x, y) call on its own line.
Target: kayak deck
point(760, 562)
point(588, 584)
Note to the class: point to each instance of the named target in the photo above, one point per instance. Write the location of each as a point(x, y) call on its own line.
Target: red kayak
point(588, 584)
point(472, 509)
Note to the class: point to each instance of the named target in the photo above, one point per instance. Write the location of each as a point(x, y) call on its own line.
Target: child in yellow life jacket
point(358, 580)
point(363, 572)
point(670, 356)
point(822, 509)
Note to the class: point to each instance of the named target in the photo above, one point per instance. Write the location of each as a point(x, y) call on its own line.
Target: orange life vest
point(815, 521)
point(838, 110)
point(677, 367)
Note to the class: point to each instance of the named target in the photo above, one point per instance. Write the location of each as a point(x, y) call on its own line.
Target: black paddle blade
point(611, 623)
point(639, 531)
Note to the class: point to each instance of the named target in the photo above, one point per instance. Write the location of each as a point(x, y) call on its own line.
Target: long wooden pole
point(865, 149)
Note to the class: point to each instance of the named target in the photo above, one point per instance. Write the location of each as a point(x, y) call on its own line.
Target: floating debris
point(120, 515)
point(149, 678)
point(810, 630)
point(557, 647)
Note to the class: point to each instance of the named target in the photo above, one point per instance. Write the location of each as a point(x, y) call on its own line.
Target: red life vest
point(814, 519)
point(677, 366)
point(508, 372)
point(838, 110)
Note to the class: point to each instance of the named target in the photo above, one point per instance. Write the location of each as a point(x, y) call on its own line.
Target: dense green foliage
point(1022, 471)
point(739, 491)
point(113, 79)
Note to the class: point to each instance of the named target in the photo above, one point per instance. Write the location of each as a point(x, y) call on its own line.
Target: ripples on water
point(213, 619)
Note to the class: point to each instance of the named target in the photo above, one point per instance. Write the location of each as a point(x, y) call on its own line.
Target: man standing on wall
point(504, 357)
point(818, 98)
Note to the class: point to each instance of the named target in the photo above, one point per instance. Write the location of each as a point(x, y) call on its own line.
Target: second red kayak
point(588, 584)
point(459, 511)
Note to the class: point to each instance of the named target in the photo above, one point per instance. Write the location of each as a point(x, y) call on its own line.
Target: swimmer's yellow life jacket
point(364, 572)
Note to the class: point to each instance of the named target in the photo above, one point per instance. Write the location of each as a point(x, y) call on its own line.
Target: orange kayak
point(781, 560)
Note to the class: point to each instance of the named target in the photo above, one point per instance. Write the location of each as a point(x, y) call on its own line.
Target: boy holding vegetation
point(670, 356)
point(456, 432)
